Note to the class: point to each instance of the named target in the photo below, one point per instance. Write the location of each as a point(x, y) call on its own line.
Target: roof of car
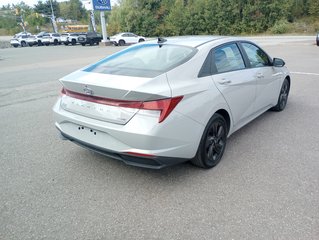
point(190, 41)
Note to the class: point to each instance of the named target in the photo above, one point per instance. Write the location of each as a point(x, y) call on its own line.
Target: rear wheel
point(141, 40)
point(121, 42)
point(212, 144)
point(83, 44)
point(23, 44)
point(73, 42)
point(55, 42)
point(283, 96)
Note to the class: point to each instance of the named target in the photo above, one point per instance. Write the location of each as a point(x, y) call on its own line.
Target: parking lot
point(266, 186)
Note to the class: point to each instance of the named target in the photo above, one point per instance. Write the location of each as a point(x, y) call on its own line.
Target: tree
point(314, 7)
point(45, 8)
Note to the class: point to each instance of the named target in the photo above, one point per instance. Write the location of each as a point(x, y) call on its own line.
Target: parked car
point(32, 41)
point(90, 38)
point(70, 38)
point(39, 37)
point(23, 40)
point(64, 38)
point(317, 39)
point(51, 38)
point(126, 38)
point(172, 100)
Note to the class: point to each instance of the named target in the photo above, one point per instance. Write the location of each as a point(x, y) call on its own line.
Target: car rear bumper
point(145, 162)
point(167, 143)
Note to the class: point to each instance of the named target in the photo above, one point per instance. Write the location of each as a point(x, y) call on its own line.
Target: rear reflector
point(140, 154)
point(165, 106)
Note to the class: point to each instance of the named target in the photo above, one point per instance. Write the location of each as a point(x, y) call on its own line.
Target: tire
point(283, 97)
point(213, 143)
point(30, 44)
point(83, 44)
point(40, 43)
point(23, 44)
point(121, 43)
point(73, 42)
point(47, 44)
point(15, 45)
point(55, 42)
point(66, 43)
point(141, 40)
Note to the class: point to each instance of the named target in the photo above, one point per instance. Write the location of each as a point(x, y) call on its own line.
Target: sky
point(31, 3)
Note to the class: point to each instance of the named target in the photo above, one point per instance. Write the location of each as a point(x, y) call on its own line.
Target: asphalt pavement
point(265, 187)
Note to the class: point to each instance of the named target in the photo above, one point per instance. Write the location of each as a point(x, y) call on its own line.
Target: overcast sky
point(32, 2)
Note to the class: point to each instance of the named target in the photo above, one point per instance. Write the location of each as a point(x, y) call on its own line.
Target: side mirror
point(277, 62)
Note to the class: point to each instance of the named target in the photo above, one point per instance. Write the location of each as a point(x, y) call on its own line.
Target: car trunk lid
point(111, 98)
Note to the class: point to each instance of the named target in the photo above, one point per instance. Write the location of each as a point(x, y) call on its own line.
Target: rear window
point(147, 60)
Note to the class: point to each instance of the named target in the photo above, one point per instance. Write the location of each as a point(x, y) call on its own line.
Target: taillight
point(165, 106)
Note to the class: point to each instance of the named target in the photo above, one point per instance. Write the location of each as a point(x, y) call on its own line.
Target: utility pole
point(55, 27)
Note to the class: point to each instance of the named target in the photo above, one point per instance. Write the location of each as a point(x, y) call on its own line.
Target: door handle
point(224, 81)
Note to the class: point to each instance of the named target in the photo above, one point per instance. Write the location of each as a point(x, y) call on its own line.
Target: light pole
point(55, 27)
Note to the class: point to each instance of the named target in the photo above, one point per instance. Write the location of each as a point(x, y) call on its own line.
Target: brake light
point(165, 106)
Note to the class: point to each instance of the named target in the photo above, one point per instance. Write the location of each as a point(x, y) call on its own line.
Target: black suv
point(90, 38)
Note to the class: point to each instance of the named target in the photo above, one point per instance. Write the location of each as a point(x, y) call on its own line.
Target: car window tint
point(147, 60)
point(228, 58)
point(256, 56)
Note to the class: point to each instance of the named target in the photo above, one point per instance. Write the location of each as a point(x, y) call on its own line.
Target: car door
point(132, 38)
point(236, 82)
point(267, 79)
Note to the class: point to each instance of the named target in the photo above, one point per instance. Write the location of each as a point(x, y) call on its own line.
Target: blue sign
point(102, 5)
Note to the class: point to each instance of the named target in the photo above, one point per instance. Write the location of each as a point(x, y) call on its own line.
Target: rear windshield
point(147, 60)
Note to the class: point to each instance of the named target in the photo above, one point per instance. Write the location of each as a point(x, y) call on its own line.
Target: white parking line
point(305, 73)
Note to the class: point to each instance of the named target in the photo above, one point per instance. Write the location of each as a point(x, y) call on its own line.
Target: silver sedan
point(167, 101)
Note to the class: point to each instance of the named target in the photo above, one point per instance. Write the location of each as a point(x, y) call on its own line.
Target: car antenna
point(160, 41)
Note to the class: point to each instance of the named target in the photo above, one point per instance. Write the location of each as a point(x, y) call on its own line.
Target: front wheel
point(212, 144)
point(283, 96)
